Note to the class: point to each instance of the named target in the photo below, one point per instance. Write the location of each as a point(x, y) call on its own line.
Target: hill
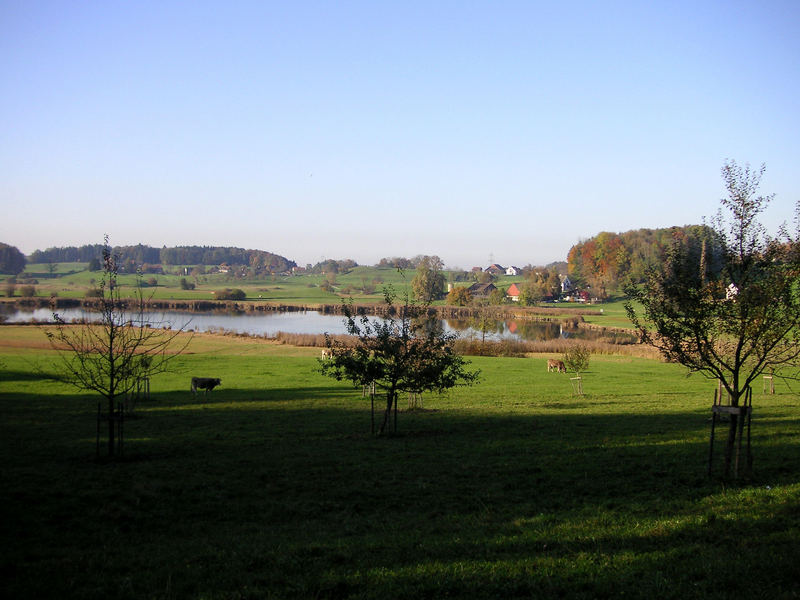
point(178, 255)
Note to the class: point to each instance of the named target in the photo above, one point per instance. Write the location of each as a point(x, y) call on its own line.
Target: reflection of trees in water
point(534, 331)
point(537, 331)
point(457, 324)
point(525, 330)
point(429, 325)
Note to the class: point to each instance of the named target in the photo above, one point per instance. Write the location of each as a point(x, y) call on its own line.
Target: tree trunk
point(111, 426)
point(730, 443)
point(387, 414)
point(733, 428)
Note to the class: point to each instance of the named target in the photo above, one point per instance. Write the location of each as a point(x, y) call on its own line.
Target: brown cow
point(558, 365)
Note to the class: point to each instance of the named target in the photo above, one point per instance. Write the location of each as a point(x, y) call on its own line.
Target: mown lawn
point(272, 486)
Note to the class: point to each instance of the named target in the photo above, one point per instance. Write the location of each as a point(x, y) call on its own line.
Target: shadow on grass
point(297, 499)
point(7, 376)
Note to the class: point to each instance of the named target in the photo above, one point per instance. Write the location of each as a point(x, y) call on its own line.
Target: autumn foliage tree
point(459, 296)
point(607, 261)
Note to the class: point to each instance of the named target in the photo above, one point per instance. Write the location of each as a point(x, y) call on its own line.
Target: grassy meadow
point(73, 280)
point(362, 283)
point(273, 487)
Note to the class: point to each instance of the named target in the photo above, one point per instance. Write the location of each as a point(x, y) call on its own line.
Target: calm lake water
point(268, 324)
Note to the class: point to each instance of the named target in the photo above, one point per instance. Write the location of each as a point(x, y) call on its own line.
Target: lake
point(306, 322)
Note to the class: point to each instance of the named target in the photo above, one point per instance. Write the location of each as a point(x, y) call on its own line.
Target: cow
point(206, 384)
point(326, 354)
point(558, 365)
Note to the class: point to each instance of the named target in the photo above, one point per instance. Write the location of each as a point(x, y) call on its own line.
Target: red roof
point(513, 290)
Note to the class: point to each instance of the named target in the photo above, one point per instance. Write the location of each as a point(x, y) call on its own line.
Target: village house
point(496, 269)
point(513, 271)
point(566, 285)
point(513, 292)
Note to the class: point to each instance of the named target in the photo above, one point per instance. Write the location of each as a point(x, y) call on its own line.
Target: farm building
point(496, 269)
point(481, 290)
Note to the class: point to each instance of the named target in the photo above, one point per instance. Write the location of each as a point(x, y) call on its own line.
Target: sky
point(477, 131)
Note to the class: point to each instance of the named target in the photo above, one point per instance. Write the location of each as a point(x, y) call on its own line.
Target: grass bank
point(272, 486)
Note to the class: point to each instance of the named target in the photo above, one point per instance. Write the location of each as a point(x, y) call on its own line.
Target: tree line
point(608, 261)
point(178, 255)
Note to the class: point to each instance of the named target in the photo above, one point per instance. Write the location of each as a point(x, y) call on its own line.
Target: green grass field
point(273, 487)
point(72, 280)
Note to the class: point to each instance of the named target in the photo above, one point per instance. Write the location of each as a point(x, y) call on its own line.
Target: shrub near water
point(230, 294)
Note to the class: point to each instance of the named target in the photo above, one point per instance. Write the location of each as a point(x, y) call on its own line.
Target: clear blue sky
point(369, 129)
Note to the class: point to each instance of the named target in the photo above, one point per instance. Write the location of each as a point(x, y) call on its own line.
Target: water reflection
point(313, 322)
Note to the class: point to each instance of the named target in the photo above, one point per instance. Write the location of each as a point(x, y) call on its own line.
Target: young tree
point(109, 357)
point(401, 353)
point(576, 358)
point(736, 321)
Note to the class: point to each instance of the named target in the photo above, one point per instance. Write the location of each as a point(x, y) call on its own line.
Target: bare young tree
point(109, 356)
point(729, 309)
point(401, 353)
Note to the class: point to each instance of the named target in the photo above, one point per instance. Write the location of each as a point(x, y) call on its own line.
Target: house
point(481, 290)
point(566, 285)
point(496, 269)
point(513, 292)
point(513, 271)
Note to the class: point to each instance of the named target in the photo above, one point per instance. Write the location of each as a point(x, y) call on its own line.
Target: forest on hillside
point(140, 254)
point(608, 260)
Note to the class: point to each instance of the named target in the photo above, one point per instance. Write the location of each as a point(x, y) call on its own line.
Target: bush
point(94, 292)
point(27, 291)
point(10, 288)
point(230, 294)
point(497, 297)
point(459, 296)
point(185, 285)
point(576, 358)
